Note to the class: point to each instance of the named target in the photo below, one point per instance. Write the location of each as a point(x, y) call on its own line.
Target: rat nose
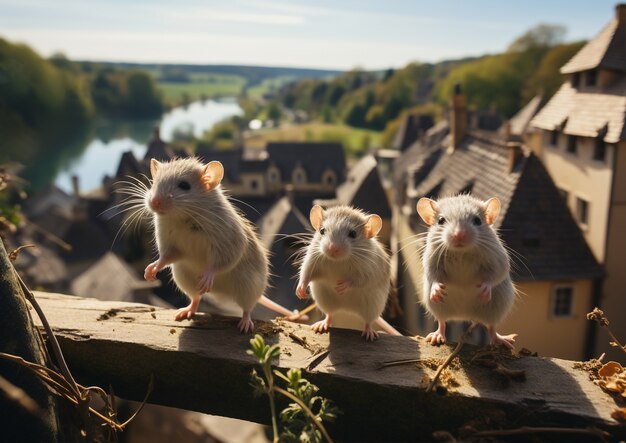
point(459, 236)
point(334, 249)
point(156, 203)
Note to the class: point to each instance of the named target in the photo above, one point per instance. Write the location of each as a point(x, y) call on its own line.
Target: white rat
point(209, 246)
point(347, 267)
point(466, 267)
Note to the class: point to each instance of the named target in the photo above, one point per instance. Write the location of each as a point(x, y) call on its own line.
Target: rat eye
point(352, 234)
point(184, 185)
point(441, 221)
point(477, 221)
point(323, 231)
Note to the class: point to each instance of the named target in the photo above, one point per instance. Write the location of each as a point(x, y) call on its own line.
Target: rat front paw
point(342, 286)
point(484, 292)
point(369, 334)
point(437, 292)
point(151, 271)
point(301, 291)
point(436, 338)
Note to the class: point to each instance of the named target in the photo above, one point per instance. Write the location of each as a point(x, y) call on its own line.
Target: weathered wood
point(19, 337)
point(202, 365)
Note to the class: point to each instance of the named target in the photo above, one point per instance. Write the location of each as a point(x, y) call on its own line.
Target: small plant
point(303, 419)
point(598, 315)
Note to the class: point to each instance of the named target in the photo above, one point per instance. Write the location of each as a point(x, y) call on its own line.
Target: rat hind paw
point(184, 313)
point(245, 325)
point(151, 271)
point(369, 334)
point(504, 340)
point(322, 326)
point(436, 338)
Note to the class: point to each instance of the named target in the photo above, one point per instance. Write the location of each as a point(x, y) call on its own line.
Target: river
point(102, 153)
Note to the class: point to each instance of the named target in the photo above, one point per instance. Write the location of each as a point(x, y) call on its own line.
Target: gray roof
point(110, 278)
point(534, 220)
point(605, 50)
point(363, 188)
point(314, 157)
point(521, 120)
point(230, 159)
point(282, 229)
point(411, 128)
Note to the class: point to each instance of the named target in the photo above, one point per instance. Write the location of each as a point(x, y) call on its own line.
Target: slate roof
point(521, 120)
point(534, 220)
point(363, 188)
point(279, 228)
point(411, 128)
point(314, 157)
point(110, 278)
point(586, 113)
point(605, 50)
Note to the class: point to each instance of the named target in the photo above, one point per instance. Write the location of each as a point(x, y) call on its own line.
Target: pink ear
point(212, 175)
point(372, 226)
point(492, 210)
point(154, 166)
point(427, 209)
point(316, 216)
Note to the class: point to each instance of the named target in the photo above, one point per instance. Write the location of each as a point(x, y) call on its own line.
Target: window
point(562, 301)
point(298, 176)
point(582, 211)
point(254, 184)
point(591, 77)
point(554, 138)
point(329, 178)
point(273, 174)
point(599, 150)
point(572, 144)
point(576, 79)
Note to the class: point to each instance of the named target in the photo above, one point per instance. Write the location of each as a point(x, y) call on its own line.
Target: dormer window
point(591, 77)
point(572, 144)
point(576, 79)
point(599, 150)
point(298, 176)
point(329, 178)
point(554, 138)
point(273, 174)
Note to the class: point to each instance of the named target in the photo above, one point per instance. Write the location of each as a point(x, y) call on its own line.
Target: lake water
point(102, 154)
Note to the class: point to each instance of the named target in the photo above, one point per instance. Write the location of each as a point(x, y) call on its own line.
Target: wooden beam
point(202, 365)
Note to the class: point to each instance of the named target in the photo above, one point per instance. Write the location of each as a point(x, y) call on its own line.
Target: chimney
point(156, 133)
point(458, 118)
point(76, 185)
point(620, 13)
point(515, 154)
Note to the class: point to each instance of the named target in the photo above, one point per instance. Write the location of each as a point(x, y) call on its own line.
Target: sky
point(339, 34)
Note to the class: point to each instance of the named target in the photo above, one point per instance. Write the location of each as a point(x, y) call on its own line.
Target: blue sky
point(321, 34)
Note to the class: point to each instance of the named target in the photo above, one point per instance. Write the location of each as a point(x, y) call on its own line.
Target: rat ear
point(492, 209)
point(316, 216)
point(212, 175)
point(373, 226)
point(427, 209)
point(154, 166)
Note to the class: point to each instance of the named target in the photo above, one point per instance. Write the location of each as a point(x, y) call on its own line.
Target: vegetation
point(303, 419)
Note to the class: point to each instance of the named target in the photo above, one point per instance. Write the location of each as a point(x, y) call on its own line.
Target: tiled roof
point(363, 188)
point(586, 113)
point(412, 126)
point(605, 50)
point(520, 121)
point(314, 157)
point(534, 221)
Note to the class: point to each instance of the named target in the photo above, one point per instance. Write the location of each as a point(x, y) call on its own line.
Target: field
point(356, 142)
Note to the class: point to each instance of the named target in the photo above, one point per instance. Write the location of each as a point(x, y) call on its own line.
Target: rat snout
point(334, 250)
point(157, 204)
point(459, 237)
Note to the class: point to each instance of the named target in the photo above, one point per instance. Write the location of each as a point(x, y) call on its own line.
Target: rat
point(466, 266)
point(347, 267)
point(205, 241)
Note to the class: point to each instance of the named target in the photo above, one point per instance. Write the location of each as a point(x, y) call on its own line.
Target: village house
point(580, 136)
point(553, 268)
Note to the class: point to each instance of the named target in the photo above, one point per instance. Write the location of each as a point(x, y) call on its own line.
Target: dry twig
point(454, 353)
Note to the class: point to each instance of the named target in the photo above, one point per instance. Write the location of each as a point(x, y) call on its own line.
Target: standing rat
point(209, 246)
point(466, 267)
point(347, 267)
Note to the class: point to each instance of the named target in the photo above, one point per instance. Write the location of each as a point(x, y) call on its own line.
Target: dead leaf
point(619, 414)
point(610, 368)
